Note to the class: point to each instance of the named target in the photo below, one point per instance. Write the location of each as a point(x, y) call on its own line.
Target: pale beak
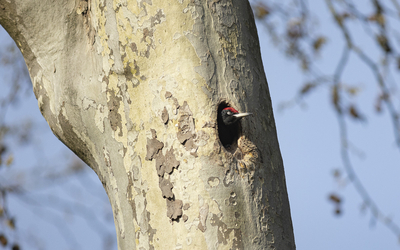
point(242, 115)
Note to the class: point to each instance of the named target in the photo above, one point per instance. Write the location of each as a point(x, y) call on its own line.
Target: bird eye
point(229, 112)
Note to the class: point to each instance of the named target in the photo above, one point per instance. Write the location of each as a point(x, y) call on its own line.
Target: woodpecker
point(231, 116)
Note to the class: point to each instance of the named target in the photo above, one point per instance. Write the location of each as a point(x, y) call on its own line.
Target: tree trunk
point(134, 89)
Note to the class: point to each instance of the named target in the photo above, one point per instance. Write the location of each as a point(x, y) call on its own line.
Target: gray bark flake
point(113, 115)
point(167, 163)
point(203, 217)
point(153, 146)
point(175, 105)
point(164, 116)
point(186, 206)
point(160, 167)
point(164, 167)
point(174, 209)
point(166, 188)
point(186, 128)
point(170, 161)
point(224, 233)
point(168, 95)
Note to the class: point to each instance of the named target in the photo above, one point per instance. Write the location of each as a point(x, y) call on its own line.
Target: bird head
point(230, 115)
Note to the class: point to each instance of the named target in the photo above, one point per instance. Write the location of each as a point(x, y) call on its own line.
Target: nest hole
point(228, 134)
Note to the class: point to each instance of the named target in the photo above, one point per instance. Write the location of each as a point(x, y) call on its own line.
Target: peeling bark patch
point(128, 73)
point(164, 116)
point(186, 206)
point(209, 125)
point(130, 196)
point(153, 133)
point(105, 79)
point(168, 95)
point(203, 213)
point(213, 181)
point(133, 47)
point(139, 208)
point(185, 124)
point(201, 138)
point(148, 33)
point(158, 18)
point(175, 106)
point(149, 2)
point(165, 165)
point(224, 232)
point(132, 74)
point(170, 161)
point(153, 146)
point(190, 146)
point(136, 68)
point(160, 159)
point(166, 188)
point(174, 209)
point(186, 134)
point(113, 115)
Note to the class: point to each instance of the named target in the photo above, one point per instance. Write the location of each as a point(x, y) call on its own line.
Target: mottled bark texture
point(133, 88)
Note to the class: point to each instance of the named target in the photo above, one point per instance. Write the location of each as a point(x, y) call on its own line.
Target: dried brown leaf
point(354, 113)
point(262, 11)
point(3, 149)
point(3, 240)
point(377, 17)
point(335, 198)
point(294, 30)
point(10, 160)
point(346, 15)
point(353, 90)
point(317, 44)
point(384, 43)
point(306, 88)
point(304, 64)
point(11, 223)
point(15, 247)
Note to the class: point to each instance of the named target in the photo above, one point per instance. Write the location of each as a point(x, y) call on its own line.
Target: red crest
point(232, 110)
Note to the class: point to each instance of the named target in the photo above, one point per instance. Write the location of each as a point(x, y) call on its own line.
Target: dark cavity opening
point(228, 134)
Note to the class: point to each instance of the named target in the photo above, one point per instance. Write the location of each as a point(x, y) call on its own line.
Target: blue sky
point(310, 144)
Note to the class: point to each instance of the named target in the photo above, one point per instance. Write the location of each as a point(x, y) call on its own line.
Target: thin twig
point(345, 155)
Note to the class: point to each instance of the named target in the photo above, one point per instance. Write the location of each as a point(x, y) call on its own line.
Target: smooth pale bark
point(133, 88)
